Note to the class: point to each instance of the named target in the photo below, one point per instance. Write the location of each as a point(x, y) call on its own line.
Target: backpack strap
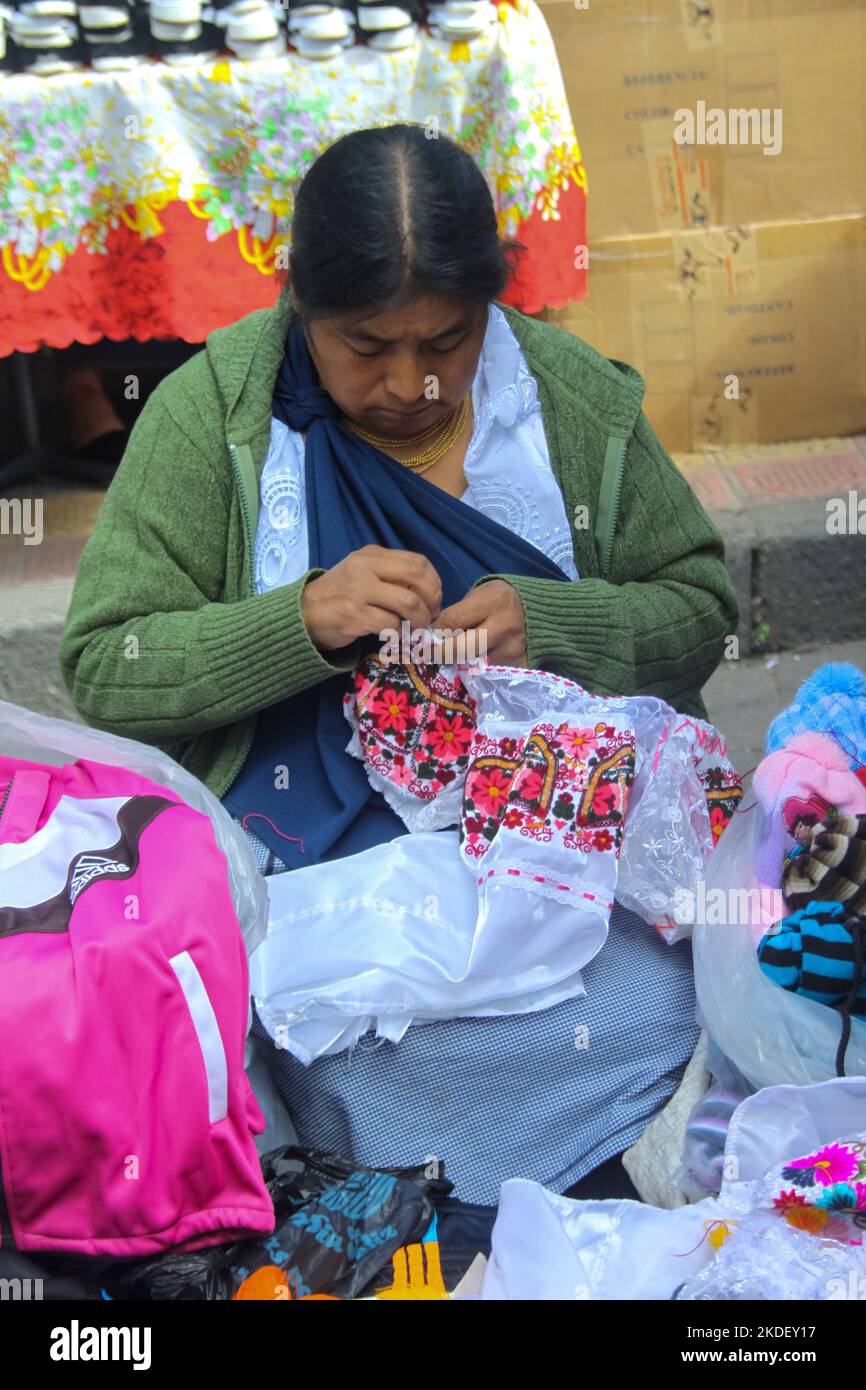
point(608, 501)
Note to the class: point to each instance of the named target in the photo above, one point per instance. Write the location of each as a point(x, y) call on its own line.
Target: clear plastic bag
point(38, 738)
point(772, 1036)
point(668, 838)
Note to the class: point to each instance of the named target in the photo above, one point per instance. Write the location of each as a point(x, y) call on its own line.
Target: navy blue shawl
point(355, 496)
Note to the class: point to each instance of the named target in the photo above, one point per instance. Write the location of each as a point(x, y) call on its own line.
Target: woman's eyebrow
point(365, 335)
point(460, 327)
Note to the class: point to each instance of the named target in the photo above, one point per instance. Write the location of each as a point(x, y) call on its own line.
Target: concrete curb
point(797, 585)
point(31, 626)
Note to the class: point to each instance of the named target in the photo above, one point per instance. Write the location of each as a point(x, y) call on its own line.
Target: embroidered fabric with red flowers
point(547, 788)
point(534, 766)
point(520, 789)
point(540, 795)
point(412, 726)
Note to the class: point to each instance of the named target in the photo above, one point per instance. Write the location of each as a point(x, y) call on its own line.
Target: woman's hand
point(495, 610)
point(371, 590)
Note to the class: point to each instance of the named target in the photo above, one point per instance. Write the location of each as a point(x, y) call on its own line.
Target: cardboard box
point(746, 334)
point(630, 65)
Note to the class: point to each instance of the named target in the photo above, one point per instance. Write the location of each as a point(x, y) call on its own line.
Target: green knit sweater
point(166, 641)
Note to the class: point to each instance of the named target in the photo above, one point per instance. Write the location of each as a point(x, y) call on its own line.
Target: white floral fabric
point(85, 151)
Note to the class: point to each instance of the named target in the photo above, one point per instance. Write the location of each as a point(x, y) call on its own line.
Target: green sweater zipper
point(242, 472)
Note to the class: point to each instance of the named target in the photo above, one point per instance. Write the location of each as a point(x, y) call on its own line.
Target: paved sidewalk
point(744, 696)
point(797, 580)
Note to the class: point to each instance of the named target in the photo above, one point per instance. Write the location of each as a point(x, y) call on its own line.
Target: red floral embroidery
point(391, 709)
point(558, 781)
point(789, 1199)
point(576, 743)
point(414, 725)
point(489, 790)
point(528, 785)
point(723, 788)
point(604, 800)
point(448, 738)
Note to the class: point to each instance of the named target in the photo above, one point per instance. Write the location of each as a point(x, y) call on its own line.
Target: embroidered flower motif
point(391, 709)
point(512, 819)
point(842, 1197)
point(402, 775)
point(415, 726)
point(490, 790)
point(605, 799)
point(833, 1164)
point(577, 743)
point(811, 1219)
point(448, 738)
point(789, 1199)
point(839, 1228)
point(602, 839)
point(527, 785)
point(718, 821)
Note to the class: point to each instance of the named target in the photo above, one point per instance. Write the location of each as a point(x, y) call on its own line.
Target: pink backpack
point(126, 1117)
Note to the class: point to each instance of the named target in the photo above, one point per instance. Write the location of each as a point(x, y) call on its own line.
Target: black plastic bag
point(337, 1226)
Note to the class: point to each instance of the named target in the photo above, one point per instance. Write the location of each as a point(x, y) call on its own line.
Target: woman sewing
point(387, 445)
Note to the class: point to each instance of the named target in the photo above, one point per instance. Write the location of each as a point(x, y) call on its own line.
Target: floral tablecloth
point(154, 203)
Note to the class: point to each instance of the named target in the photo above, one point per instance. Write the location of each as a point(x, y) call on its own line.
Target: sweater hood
point(244, 359)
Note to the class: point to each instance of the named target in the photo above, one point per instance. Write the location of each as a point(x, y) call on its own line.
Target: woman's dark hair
point(384, 214)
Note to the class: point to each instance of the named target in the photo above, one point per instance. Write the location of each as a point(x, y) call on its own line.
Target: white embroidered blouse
point(507, 468)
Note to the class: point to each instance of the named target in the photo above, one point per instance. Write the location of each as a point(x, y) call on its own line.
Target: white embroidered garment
point(558, 765)
point(501, 917)
point(392, 936)
point(780, 1228)
point(507, 468)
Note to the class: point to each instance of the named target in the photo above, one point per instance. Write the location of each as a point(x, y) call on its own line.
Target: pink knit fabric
point(804, 779)
point(126, 1118)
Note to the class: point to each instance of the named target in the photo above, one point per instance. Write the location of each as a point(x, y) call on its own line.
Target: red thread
point(262, 816)
point(658, 751)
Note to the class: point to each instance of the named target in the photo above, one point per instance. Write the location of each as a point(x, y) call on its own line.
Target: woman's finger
point(409, 571)
point(406, 604)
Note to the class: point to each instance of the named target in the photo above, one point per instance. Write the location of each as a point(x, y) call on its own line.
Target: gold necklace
point(419, 463)
point(387, 441)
